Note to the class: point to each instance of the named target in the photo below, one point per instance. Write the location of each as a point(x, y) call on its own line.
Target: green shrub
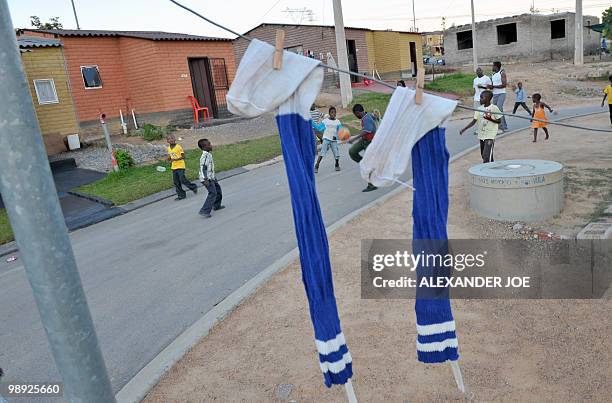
point(124, 159)
point(152, 132)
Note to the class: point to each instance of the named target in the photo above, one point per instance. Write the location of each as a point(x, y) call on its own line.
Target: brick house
point(532, 37)
point(49, 84)
point(152, 73)
point(387, 51)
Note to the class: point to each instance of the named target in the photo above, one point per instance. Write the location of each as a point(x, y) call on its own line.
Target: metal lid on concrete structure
point(516, 174)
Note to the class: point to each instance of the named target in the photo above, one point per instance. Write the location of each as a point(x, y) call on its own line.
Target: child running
point(520, 98)
point(488, 119)
point(330, 127)
point(540, 114)
point(608, 94)
point(176, 156)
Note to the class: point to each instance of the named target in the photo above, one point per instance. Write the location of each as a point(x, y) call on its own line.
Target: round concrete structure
point(517, 190)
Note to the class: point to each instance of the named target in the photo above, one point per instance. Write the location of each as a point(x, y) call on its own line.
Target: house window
point(464, 40)
point(45, 91)
point(506, 34)
point(557, 29)
point(91, 77)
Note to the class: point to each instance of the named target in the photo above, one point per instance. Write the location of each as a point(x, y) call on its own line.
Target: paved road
point(150, 274)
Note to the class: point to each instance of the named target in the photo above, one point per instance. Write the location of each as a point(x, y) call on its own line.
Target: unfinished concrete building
point(532, 37)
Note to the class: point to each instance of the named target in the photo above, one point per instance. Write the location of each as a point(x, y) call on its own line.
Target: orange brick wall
point(106, 54)
point(141, 68)
point(175, 86)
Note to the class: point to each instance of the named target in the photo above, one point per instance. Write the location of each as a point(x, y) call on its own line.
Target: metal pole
point(474, 51)
point(413, 18)
point(346, 91)
point(579, 43)
point(75, 14)
point(109, 145)
point(34, 211)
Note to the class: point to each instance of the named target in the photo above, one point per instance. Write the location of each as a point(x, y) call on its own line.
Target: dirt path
point(511, 350)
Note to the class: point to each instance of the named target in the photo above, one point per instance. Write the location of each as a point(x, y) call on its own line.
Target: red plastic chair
point(196, 111)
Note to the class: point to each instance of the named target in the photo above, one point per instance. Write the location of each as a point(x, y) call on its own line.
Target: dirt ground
point(511, 350)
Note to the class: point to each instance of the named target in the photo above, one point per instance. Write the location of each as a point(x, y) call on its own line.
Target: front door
point(351, 49)
point(413, 58)
point(201, 83)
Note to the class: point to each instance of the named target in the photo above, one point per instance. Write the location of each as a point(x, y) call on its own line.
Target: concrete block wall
point(533, 43)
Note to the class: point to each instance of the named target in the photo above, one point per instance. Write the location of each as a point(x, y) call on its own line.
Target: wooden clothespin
point(420, 85)
point(278, 52)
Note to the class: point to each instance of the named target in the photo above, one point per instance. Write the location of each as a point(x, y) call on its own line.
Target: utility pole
point(413, 18)
point(346, 91)
point(578, 41)
point(40, 231)
point(75, 14)
point(474, 51)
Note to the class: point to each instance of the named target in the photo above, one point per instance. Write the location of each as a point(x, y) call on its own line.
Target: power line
point(267, 12)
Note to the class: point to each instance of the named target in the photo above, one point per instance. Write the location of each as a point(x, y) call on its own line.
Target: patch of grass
point(372, 100)
point(593, 183)
point(137, 182)
point(6, 232)
point(456, 83)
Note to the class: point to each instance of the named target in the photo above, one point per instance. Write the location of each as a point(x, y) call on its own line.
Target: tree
point(53, 23)
point(606, 18)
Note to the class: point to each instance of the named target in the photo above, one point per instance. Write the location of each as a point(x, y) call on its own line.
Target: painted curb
point(95, 199)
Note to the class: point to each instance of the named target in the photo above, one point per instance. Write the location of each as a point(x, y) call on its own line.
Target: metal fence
point(220, 84)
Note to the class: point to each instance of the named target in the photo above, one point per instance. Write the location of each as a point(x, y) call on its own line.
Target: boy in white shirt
point(209, 180)
point(488, 120)
point(330, 127)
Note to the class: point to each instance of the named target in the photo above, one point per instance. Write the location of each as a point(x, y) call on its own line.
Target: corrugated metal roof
point(38, 42)
point(150, 35)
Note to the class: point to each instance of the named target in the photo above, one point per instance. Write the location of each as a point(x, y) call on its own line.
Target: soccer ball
point(344, 134)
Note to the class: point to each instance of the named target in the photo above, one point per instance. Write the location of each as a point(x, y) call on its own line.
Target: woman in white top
point(498, 87)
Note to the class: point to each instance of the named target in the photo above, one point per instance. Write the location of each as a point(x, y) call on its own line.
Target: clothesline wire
point(386, 84)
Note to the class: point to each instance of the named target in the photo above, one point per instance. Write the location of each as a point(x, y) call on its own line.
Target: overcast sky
point(241, 15)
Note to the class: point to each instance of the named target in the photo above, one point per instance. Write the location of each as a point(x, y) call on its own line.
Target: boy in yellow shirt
point(176, 155)
point(488, 119)
point(608, 94)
